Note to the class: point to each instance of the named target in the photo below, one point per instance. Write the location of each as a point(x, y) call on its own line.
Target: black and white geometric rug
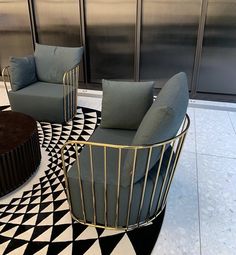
point(36, 219)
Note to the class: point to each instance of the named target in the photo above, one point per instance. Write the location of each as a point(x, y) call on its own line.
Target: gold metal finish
point(93, 188)
point(105, 186)
point(144, 185)
point(131, 187)
point(156, 180)
point(80, 182)
point(155, 206)
point(6, 77)
point(70, 88)
point(118, 189)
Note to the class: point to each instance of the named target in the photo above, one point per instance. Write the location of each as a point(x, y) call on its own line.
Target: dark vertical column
point(198, 52)
point(137, 40)
point(83, 39)
point(32, 22)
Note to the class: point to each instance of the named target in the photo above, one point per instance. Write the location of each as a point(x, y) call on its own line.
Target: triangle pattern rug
point(38, 220)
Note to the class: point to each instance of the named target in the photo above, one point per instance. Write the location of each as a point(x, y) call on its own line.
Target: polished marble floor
point(201, 210)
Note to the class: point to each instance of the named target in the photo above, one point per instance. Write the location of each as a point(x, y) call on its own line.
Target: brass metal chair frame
point(70, 88)
point(176, 147)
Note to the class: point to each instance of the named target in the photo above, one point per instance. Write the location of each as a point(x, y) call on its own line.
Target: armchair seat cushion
point(43, 101)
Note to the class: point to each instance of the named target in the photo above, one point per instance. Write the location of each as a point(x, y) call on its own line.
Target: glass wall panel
point(217, 70)
point(15, 33)
point(110, 38)
point(168, 38)
point(58, 22)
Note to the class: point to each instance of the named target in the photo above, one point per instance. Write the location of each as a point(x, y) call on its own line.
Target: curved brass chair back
point(70, 88)
point(175, 144)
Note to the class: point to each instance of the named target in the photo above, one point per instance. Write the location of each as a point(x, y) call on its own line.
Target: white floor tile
point(232, 116)
point(217, 200)
point(180, 232)
point(214, 133)
point(3, 96)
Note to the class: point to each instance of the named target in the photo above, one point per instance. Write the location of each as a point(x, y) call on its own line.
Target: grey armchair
point(122, 176)
point(45, 85)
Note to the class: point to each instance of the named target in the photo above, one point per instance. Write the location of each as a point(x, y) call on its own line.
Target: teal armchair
point(45, 84)
point(121, 177)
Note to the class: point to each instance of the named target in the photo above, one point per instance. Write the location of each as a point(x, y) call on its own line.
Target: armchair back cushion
point(161, 122)
point(53, 61)
point(124, 104)
point(23, 72)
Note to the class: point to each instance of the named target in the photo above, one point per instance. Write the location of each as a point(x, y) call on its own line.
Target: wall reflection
point(15, 34)
point(168, 38)
point(217, 70)
point(110, 36)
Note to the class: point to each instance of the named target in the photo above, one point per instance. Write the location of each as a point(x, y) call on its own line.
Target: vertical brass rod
point(93, 188)
point(157, 178)
point(131, 187)
point(5, 72)
point(179, 148)
point(70, 93)
point(105, 185)
point(118, 189)
point(68, 96)
point(64, 96)
point(66, 179)
point(76, 88)
point(75, 92)
point(166, 175)
point(144, 185)
point(80, 182)
point(184, 124)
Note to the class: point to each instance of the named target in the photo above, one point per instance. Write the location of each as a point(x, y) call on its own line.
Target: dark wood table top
point(15, 129)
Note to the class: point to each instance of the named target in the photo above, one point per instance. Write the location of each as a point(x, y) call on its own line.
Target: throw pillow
point(53, 61)
point(22, 71)
point(161, 122)
point(124, 104)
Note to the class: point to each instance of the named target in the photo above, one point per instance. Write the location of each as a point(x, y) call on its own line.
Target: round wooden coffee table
point(19, 150)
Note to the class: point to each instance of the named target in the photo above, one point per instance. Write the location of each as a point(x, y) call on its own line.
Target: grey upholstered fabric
point(23, 72)
point(163, 119)
point(75, 193)
point(109, 136)
point(124, 104)
point(43, 101)
point(53, 61)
